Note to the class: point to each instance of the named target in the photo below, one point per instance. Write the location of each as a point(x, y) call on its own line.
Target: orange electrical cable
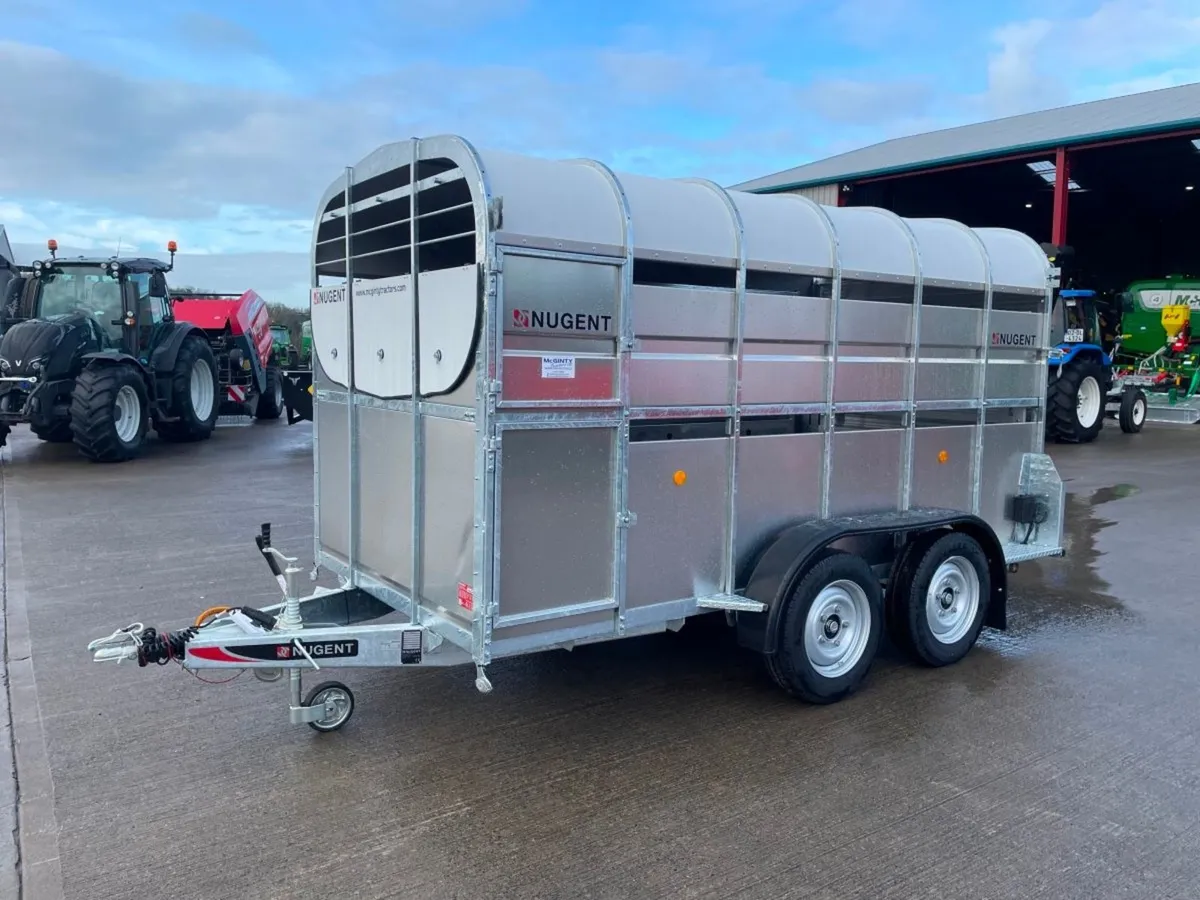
point(209, 613)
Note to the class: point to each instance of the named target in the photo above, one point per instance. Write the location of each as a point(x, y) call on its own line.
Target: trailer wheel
point(942, 609)
point(108, 413)
point(831, 630)
point(57, 432)
point(1075, 407)
point(194, 388)
point(1132, 414)
point(270, 403)
point(338, 701)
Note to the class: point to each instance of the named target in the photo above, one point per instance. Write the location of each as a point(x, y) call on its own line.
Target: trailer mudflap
point(774, 572)
point(297, 395)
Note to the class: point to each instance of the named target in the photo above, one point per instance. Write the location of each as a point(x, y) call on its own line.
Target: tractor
point(1082, 390)
point(91, 353)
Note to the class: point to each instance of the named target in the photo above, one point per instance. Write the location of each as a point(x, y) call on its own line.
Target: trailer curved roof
point(580, 206)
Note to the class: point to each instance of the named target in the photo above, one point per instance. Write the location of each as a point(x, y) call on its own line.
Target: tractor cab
point(1075, 322)
point(124, 301)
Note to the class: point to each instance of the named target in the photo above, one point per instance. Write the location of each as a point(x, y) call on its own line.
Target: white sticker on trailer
point(558, 366)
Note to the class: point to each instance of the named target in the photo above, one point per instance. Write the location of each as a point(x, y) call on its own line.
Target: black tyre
point(338, 701)
point(830, 630)
point(109, 413)
point(57, 432)
point(1075, 404)
point(940, 600)
point(1132, 414)
point(270, 402)
point(194, 392)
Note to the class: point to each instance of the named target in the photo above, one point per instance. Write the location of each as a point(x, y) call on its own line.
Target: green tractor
point(281, 344)
point(91, 353)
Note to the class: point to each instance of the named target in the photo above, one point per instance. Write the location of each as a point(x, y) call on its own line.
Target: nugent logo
point(541, 320)
point(1013, 339)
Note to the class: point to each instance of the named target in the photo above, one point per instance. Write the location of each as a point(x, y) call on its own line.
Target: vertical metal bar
point(1052, 283)
point(624, 348)
point(985, 347)
point(910, 434)
point(315, 364)
point(351, 402)
point(835, 302)
point(493, 442)
point(417, 588)
point(1062, 180)
point(738, 326)
point(485, 570)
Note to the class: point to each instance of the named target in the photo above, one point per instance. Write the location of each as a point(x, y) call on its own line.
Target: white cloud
point(1044, 62)
point(278, 277)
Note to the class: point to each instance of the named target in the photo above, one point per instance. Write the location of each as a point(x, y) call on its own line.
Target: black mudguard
point(162, 360)
point(298, 402)
point(773, 573)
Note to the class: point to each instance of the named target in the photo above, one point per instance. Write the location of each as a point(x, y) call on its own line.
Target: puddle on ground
point(1065, 593)
point(1108, 494)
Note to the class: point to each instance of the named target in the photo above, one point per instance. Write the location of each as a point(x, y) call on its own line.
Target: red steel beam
point(1062, 178)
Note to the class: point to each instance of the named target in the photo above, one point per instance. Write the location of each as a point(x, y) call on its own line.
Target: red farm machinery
point(238, 327)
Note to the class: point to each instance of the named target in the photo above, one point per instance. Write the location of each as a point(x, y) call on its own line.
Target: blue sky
point(220, 123)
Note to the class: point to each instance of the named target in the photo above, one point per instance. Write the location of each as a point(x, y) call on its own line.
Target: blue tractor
point(1081, 391)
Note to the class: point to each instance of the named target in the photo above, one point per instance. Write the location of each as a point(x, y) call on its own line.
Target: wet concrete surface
point(1060, 759)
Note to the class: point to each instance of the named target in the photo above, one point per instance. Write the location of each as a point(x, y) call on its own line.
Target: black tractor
point(91, 353)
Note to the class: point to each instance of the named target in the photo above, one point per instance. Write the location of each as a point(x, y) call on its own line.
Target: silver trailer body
point(587, 341)
point(606, 403)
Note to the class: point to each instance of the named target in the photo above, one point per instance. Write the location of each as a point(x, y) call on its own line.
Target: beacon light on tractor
point(92, 353)
point(821, 423)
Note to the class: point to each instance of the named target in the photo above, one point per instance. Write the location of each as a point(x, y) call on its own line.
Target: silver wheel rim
point(203, 394)
point(127, 413)
point(337, 706)
point(278, 393)
point(952, 600)
point(1139, 411)
point(836, 628)
point(1087, 404)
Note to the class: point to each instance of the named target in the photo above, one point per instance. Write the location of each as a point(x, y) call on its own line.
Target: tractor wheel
point(57, 432)
point(109, 413)
point(1075, 407)
point(270, 402)
point(1132, 414)
point(193, 393)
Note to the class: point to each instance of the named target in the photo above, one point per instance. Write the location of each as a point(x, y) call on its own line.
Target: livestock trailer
point(556, 405)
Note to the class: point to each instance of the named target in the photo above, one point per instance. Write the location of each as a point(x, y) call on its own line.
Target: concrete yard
point(1060, 760)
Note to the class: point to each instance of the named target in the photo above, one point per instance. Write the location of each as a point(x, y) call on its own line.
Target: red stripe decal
point(217, 654)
